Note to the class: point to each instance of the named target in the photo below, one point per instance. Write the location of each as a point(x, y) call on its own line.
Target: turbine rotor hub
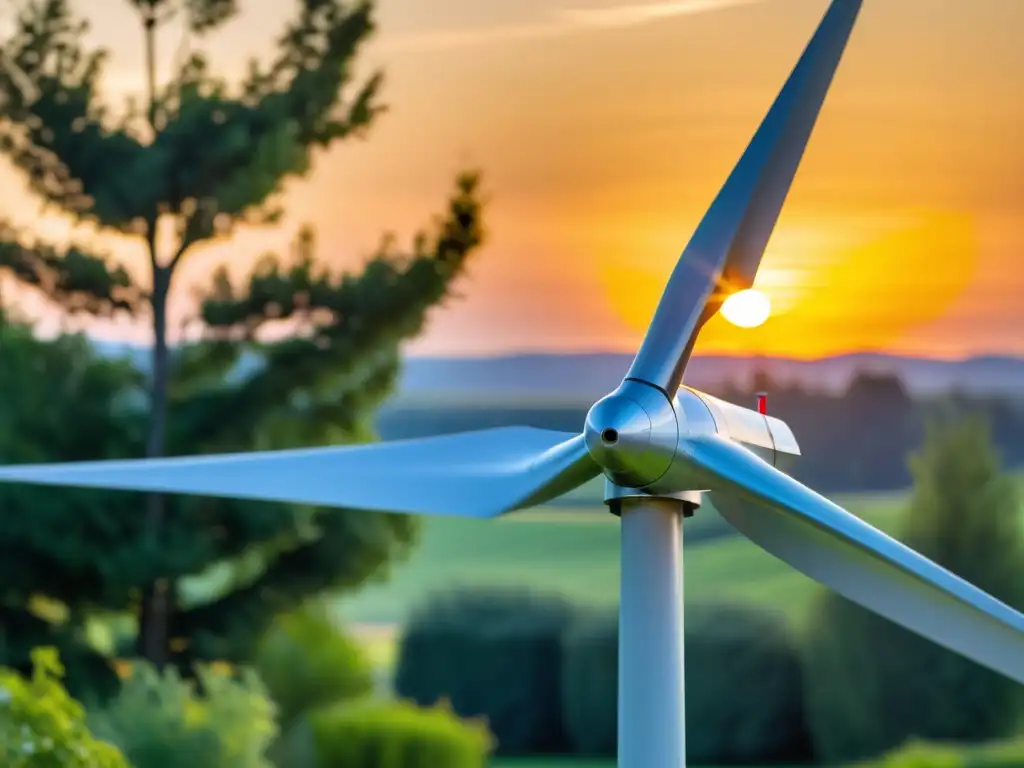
point(632, 434)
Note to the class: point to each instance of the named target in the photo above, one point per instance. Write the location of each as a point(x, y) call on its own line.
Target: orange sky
point(604, 130)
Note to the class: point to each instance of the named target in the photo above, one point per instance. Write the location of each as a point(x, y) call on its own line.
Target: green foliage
point(72, 276)
point(493, 653)
point(256, 135)
point(72, 547)
point(307, 662)
point(743, 689)
point(161, 721)
point(871, 684)
point(41, 726)
point(203, 157)
point(922, 754)
point(397, 735)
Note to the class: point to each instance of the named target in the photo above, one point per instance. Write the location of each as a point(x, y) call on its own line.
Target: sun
point(747, 309)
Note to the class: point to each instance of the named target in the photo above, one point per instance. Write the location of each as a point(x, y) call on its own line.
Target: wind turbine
point(660, 446)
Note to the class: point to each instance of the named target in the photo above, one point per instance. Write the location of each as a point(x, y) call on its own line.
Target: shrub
point(743, 688)
point(306, 662)
point(41, 726)
point(872, 684)
point(396, 735)
point(494, 653)
point(87, 675)
point(160, 721)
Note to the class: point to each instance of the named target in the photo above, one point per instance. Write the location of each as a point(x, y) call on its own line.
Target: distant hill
point(573, 377)
point(591, 375)
point(879, 425)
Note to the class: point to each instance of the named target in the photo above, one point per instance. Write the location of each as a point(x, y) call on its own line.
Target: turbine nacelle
point(638, 437)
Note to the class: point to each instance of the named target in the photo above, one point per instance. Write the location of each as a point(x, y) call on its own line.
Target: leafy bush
point(306, 662)
point(160, 721)
point(396, 735)
point(743, 688)
point(88, 675)
point(922, 754)
point(871, 684)
point(494, 653)
point(41, 726)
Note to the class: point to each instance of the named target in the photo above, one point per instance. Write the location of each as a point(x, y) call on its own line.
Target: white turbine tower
point(659, 445)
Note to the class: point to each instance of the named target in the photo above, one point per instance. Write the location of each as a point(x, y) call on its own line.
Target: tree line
point(856, 440)
point(859, 440)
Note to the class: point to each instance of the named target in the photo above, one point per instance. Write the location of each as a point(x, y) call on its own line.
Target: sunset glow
point(604, 134)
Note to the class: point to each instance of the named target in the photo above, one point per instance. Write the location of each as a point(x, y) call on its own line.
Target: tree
point(61, 553)
point(870, 683)
point(207, 158)
point(878, 429)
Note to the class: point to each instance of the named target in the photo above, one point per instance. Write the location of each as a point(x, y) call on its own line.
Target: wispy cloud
point(559, 23)
point(643, 13)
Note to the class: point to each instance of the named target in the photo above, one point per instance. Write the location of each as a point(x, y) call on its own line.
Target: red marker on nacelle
point(762, 403)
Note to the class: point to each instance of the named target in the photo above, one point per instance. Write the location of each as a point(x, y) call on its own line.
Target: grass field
point(574, 552)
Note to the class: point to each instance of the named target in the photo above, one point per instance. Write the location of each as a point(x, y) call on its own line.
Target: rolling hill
point(585, 376)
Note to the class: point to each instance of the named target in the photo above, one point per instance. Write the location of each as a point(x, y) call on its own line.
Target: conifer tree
point(204, 157)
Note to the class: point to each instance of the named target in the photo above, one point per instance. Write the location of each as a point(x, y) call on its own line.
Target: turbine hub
point(632, 434)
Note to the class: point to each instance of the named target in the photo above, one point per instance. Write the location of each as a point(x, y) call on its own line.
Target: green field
point(574, 552)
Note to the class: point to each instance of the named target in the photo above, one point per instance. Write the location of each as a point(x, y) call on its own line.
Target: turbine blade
point(726, 249)
point(841, 551)
point(473, 474)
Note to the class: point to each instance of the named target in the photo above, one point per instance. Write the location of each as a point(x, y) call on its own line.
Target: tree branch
point(59, 134)
point(347, 320)
point(73, 278)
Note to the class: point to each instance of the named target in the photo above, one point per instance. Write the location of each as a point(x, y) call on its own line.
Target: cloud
point(643, 13)
point(558, 24)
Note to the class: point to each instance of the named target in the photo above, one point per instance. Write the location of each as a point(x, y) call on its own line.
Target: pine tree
point(205, 157)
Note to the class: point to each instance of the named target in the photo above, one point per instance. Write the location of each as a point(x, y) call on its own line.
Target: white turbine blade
point(725, 251)
point(473, 474)
point(858, 561)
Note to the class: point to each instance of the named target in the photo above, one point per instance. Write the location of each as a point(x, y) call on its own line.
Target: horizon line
point(594, 352)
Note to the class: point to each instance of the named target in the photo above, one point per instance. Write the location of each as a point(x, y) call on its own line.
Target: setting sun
point(747, 309)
